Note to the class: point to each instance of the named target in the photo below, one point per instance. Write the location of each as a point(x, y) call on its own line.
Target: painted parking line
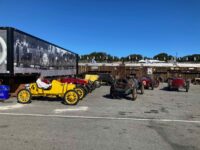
point(81, 108)
point(102, 118)
point(16, 106)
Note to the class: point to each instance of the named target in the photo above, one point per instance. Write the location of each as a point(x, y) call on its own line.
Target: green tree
point(190, 58)
point(135, 57)
point(99, 57)
point(161, 57)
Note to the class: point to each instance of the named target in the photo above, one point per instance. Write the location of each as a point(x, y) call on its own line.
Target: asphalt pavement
point(157, 120)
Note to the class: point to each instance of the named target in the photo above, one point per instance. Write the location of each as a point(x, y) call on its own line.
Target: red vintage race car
point(87, 86)
point(178, 83)
point(149, 82)
point(74, 80)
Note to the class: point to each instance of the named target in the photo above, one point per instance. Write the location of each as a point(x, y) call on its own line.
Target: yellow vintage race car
point(65, 91)
point(94, 79)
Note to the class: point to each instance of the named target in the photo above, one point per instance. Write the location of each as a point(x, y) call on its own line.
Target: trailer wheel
point(71, 97)
point(24, 96)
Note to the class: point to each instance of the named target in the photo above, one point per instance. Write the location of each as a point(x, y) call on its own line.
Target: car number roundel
point(144, 82)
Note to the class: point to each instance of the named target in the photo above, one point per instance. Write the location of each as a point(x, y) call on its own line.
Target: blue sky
point(118, 27)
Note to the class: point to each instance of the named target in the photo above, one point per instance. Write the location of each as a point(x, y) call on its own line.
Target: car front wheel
point(187, 87)
point(71, 97)
point(24, 96)
point(142, 89)
point(134, 94)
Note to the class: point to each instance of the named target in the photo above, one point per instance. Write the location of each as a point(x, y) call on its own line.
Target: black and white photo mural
point(32, 55)
point(3, 51)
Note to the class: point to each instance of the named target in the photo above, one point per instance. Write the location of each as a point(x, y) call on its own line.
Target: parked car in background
point(122, 88)
point(196, 81)
point(139, 85)
point(94, 79)
point(106, 78)
point(149, 82)
point(178, 83)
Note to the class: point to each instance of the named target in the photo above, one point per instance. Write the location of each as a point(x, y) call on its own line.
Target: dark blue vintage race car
point(124, 87)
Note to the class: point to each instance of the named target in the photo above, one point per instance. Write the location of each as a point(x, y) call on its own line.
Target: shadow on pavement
point(107, 96)
point(172, 90)
point(49, 99)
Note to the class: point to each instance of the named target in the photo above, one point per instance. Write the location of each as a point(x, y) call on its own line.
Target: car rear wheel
point(24, 96)
point(84, 87)
point(156, 83)
point(187, 86)
point(152, 87)
point(71, 97)
point(112, 95)
point(169, 85)
point(86, 90)
point(97, 84)
point(134, 94)
point(89, 88)
point(81, 92)
point(142, 89)
point(92, 86)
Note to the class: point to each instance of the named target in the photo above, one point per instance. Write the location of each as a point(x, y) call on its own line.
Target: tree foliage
point(99, 57)
point(104, 57)
point(162, 57)
point(190, 58)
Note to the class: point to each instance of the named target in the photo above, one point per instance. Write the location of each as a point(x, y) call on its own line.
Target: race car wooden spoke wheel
point(80, 92)
point(71, 97)
point(134, 94)
point(24, 96)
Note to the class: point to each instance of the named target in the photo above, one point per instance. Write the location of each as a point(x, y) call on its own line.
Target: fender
point(4, 50)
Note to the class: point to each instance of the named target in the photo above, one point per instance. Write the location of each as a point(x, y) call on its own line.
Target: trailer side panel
point(33, 55)
point(3, 51)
